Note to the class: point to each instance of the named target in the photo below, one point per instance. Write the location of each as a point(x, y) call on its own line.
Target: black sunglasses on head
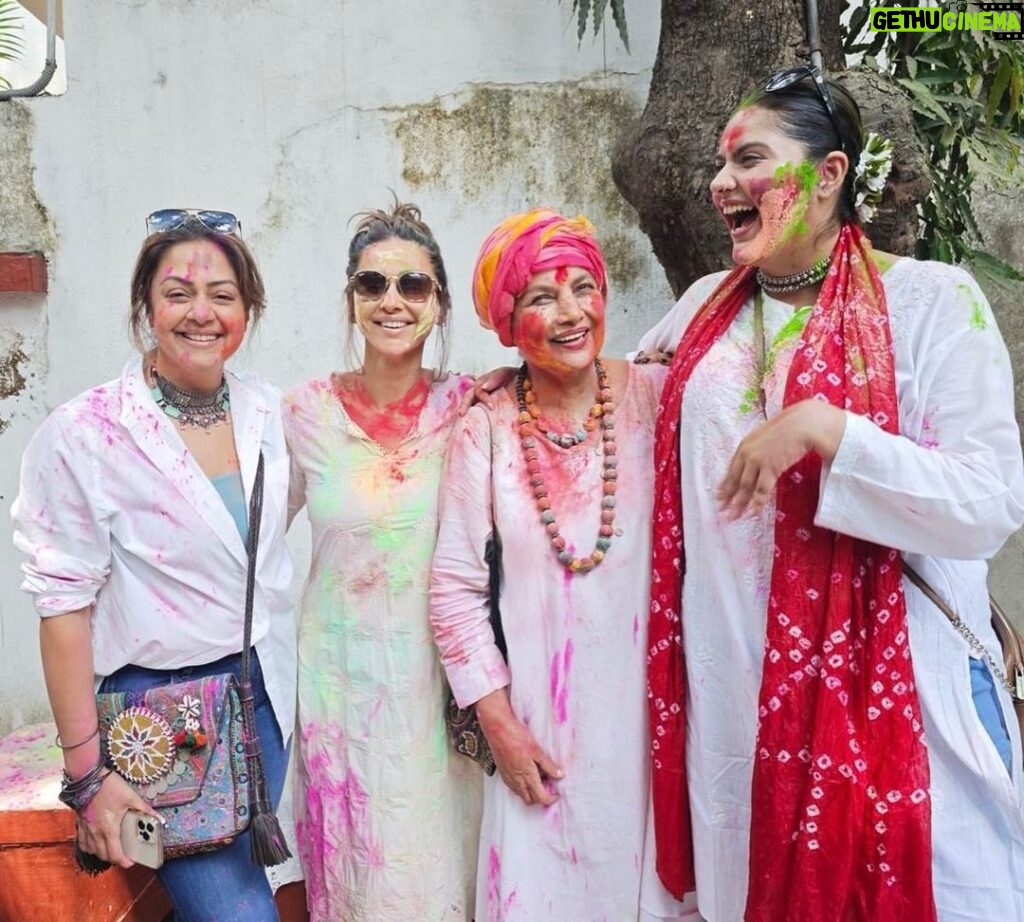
point(786, 78)
point(167, 219)
point(412, 285)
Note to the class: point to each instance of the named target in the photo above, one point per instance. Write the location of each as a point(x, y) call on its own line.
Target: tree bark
point(711, 54)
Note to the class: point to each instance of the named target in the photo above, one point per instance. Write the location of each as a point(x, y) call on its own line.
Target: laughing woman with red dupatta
point(831, 414)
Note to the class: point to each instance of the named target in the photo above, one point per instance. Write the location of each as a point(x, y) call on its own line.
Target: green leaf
point(582, 8)
point(998, 89)
point(925, 99)
point(619, 17)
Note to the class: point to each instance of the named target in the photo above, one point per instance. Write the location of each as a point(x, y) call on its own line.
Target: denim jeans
point(222, 885)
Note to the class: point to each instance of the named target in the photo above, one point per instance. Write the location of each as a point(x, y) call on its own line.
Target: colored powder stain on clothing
point(979, 316)
point(387, 425)
point(497, 908)
point(929, 436)
point(561, 663)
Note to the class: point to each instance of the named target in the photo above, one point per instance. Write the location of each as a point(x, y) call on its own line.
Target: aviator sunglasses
point(412, 285)
point(167, 219)
point(786, 78)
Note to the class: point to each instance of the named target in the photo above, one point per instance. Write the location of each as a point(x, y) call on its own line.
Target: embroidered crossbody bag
point(191, 748)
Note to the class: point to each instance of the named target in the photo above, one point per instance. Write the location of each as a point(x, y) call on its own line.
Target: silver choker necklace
point(201, 409)
point(783, 284)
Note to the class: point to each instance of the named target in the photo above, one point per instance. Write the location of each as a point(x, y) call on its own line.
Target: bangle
point(77, 792)
point(91, 736)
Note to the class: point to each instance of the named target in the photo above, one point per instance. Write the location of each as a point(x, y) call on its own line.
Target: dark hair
point(801, 115)
point(402, 222)
point(250, 283)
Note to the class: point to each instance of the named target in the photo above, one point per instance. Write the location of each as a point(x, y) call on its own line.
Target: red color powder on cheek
point(531, 334)
point(234, 331)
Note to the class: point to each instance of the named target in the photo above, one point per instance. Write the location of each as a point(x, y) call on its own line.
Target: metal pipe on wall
point(49, 67)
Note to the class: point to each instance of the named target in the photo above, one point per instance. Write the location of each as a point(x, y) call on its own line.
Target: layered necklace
point(529, 426)
point(201, 409)
point(784, 284)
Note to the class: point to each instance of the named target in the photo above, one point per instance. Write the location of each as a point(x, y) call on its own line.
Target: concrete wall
point(294, 115)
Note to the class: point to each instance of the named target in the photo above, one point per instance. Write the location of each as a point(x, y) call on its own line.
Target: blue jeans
point(225, 884)
point(986, 703)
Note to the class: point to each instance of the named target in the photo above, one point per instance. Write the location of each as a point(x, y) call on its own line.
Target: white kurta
point(948, 492)
point(388, 812)
point(577, 661)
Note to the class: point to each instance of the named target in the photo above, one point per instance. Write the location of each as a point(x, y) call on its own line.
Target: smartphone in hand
point(142, 839)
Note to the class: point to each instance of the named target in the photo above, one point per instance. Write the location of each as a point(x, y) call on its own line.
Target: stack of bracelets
point(77, 792)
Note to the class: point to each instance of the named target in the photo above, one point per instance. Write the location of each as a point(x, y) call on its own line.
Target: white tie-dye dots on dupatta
point(840, 808)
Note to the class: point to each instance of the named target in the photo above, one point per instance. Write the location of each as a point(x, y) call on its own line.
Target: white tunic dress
point(577, 662)
point(948, 492)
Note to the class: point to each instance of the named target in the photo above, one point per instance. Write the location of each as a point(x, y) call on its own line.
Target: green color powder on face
point(979, 316)
point(803, 176)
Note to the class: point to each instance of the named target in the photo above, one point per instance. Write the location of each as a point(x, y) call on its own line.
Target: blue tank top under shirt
point(229, 486)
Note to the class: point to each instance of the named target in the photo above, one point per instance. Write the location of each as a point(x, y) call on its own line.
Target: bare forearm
point(65, 642)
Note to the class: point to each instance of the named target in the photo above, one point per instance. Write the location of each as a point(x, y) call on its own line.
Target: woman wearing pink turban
point(559, 468)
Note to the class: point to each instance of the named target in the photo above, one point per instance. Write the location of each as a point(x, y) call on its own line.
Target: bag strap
point(1009, 639)
point(492, 556)
point(267, 841)
point(252, 543)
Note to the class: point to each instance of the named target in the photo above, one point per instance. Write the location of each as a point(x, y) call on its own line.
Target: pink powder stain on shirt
point(929, 436)
point(497, 908)
point(387, 425)
point(561, 663)
point(636, 628)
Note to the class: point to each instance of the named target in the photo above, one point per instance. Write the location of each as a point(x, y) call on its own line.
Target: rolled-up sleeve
point(59, 521)
point(459, 613)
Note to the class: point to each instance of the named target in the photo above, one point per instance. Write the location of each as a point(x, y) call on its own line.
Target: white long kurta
point(577, 661)
point(947, 492)
point(388, 812)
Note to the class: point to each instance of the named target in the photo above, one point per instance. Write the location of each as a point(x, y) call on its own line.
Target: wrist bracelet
point(76, 793)
point(91, 736)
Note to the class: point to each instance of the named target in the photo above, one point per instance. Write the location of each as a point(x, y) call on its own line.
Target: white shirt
point(114, 512)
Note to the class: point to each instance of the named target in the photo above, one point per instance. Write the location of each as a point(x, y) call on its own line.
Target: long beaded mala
point(530, 423)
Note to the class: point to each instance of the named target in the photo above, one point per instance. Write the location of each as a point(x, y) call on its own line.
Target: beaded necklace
point(201, 409)
point(784, 284)
point(603, 409)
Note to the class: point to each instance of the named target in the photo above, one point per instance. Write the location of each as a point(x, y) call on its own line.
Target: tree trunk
point(711, 54)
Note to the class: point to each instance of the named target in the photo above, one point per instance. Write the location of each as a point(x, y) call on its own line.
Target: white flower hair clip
point(870, 175)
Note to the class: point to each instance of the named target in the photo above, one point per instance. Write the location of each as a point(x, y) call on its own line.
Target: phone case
point(142, 839)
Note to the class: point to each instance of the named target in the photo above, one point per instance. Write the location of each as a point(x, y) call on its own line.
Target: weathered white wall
point(293, 115)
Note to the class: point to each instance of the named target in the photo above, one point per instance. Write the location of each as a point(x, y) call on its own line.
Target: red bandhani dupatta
point(841, 815)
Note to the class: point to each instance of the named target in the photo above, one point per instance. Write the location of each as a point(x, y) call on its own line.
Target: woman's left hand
point(774, 447)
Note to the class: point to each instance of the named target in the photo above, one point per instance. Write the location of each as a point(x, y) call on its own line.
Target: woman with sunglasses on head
point(387, 814)
point(133, 515)
point(557, 470)
point(831, 414)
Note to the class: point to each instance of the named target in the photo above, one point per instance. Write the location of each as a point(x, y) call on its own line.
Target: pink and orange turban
point(517, 249)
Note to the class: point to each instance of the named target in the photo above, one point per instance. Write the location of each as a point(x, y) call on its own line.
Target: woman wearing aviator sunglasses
point(133, 515)
point(388, 815)
point(830, 412)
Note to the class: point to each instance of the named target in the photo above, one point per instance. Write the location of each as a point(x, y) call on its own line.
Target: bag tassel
point(266, 839)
